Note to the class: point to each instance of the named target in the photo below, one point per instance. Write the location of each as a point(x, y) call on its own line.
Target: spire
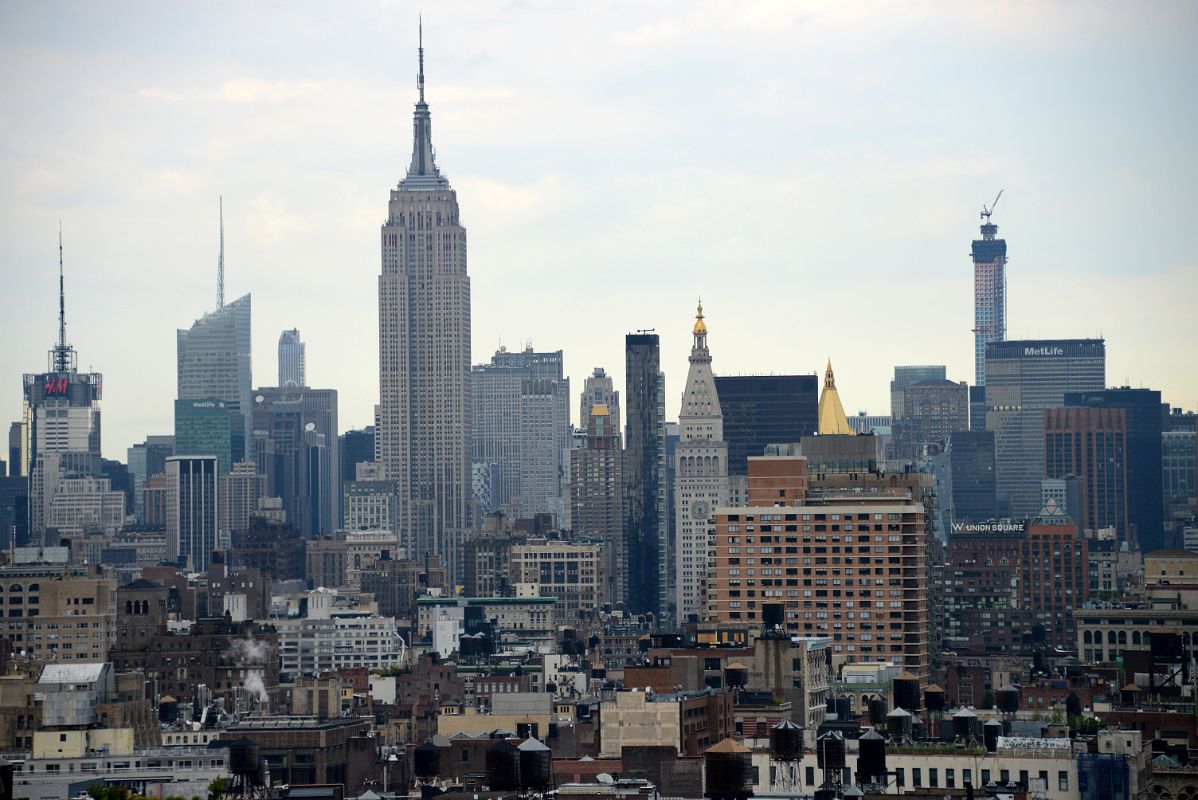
point(220, 260)
point(700, 325)
point(422, 172)
point(62, 355)
point(831, 413)
point(420, 45)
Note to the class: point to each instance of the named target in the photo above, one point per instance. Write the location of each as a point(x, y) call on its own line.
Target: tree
point(988, 700)
point(217, 789)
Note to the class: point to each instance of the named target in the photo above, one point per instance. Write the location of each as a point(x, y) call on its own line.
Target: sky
point(814, 171)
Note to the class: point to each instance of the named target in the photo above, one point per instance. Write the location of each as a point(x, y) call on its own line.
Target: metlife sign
point(1043, 351)
point(1005, 527)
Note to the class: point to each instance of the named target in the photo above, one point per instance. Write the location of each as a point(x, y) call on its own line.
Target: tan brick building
point(848, 564)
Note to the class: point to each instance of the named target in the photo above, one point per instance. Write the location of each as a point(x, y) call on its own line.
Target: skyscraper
point(192, 486)
point(424, 349)
point(989, 307)
point(596, 496)
point(521, 423)
point(760, 410)
point(207, 428)
point(646, 531)
point(1023, 379)
point(1142, 415)
point(291, 359)
point(214, 356)
point(905, 376)
point(146, 459)
point(1091, 445)
point(61, 415)
point(701, 483)
point(932, 410)
point(296, 447)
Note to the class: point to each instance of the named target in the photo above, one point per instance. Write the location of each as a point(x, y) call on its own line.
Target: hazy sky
point(815, 171)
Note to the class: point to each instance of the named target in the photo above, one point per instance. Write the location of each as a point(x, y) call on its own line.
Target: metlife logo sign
point(1043, 351)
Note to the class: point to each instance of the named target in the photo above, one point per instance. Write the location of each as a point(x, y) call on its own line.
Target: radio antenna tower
point(220, 260)
point(62, 356)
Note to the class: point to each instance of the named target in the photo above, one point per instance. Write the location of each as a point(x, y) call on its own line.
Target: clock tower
point(701, 482)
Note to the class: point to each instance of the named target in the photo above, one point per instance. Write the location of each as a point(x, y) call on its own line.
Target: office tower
point(971, 463)
point(146, 459)
point(85, 504)
point(14, 450)
point(192, 503)
point(647, 533)
point(61, 416)
point(932, 410)
point(14, 511)
point(521, 424)
point(1143, 419)
point(1023, 379)
point(598, 389)
point(295, 446)
point(1091, 445)
point(597, 498)
point(989, 308)
point(424, 349)
point(701, 486)
point(291, 359)
point(1179, 452)
point(831, 413)
point(823, 598)
point(214, 364)
point(208, 428)
point(905, 376)
point(761, 410)
point(369, 505)
point(355, 447)
point(240, 491)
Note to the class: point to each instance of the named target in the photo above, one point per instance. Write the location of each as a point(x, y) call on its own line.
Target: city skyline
point(300, 232)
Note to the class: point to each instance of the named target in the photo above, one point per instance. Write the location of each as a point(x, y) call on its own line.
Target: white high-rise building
point(701, 470)
point(291, 359)
point(424, 350)
point(521, 423)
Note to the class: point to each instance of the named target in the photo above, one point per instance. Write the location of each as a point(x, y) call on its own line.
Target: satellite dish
point(311, 426)
point(259, 399)
point(605, 779)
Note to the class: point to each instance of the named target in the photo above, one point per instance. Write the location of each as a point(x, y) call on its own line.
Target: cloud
point(236, 90)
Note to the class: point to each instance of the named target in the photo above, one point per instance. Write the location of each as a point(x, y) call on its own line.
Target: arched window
point(1110, 637)
point(1122, 637)
point(1087, 637)
point(1135, 637)
point(16, 587)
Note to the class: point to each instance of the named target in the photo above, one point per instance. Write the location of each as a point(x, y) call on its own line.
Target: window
point(933, 777)
point(1063, 781)
point(811, 776)
point(899, 779)
point(950, 778)
point(916, 776)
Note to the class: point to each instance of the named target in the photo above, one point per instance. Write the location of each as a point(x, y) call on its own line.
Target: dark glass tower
point(646, 530)
point(761, 410)
point(1145, 494)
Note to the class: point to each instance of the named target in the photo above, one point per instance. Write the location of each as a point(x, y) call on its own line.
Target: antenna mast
point(420, 76)
point(220, 261)
point(62, 355)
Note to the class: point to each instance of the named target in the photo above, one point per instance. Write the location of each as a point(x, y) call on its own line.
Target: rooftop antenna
point(62, 356)
point(420, 75)
point(220, 260)
point(986, 212)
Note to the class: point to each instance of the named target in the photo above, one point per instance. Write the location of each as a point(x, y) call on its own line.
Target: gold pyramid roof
point(831, 413)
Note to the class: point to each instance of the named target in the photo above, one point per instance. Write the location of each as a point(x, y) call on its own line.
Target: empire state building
point(424, 350)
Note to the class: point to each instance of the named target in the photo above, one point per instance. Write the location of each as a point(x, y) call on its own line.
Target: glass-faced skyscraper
point(291, 359)
point(647, 540)
point(214, 364)
point(424, 349)
point(989, 308)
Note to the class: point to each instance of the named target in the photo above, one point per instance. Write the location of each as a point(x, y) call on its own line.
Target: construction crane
point(986, 212)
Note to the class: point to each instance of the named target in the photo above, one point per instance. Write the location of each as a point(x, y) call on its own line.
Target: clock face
point(699, 510)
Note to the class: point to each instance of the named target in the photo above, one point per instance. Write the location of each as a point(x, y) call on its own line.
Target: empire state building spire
point(423, 169)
